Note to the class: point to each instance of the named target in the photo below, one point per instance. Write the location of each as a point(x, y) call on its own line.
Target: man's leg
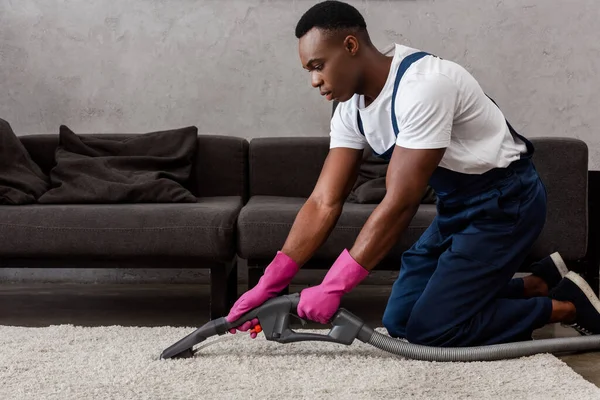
point(461, 305)
point(418, 265)
point(515, 289)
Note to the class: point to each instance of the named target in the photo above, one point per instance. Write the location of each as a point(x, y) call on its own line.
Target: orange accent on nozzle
point(256, 329)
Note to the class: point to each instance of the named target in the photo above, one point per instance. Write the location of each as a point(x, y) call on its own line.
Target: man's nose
point(316, 80)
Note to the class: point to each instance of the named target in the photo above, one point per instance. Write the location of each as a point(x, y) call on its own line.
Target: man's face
point(332, 63)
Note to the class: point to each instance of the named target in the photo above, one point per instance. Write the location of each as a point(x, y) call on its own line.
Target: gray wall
point(231, 66)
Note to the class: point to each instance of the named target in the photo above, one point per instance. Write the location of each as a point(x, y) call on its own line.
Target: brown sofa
point(283, 171)
point(248, 196)
point(178, 235)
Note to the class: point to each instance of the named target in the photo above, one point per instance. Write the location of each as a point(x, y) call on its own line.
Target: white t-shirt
point(438, 105)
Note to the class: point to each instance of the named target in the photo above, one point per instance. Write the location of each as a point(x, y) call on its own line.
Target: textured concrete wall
point(231, 66)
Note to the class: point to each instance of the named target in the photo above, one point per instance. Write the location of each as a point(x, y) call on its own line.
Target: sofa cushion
point(220, 167)
point(142, 168)
point(21, 179)
point(286, 166)
point(265, 222)
point(204, 229)
point(220, 164)
point(370, 185)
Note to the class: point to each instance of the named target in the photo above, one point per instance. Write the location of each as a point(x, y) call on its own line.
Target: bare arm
point(320, 213)
point(407, 178)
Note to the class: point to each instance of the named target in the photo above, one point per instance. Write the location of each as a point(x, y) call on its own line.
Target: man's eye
point(318, 67)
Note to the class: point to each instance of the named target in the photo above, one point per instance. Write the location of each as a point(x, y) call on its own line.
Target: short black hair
point(330, 15)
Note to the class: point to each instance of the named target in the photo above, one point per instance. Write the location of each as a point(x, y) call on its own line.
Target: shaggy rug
point(69, 362)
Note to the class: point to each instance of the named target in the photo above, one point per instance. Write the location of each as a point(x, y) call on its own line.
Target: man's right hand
point(278, 274)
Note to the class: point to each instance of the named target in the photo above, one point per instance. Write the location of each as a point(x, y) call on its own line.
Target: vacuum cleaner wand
point(274, 318)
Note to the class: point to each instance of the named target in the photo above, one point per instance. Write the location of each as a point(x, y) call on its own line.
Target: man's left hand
point(317, 304)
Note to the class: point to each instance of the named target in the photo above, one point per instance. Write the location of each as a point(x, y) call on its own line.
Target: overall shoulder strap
point(528, 144)
point(404, 65)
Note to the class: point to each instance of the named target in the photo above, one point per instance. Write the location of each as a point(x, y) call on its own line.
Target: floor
point(185, 305)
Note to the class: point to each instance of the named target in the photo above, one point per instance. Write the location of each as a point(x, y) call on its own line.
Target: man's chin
point(341, 99)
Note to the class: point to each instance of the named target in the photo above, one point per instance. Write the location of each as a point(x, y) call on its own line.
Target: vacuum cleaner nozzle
point(274, 320)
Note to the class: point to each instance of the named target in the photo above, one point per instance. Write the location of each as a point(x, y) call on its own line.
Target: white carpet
point(67, 362)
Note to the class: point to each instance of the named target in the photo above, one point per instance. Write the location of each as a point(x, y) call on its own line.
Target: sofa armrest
point(562, 164)
point(286, 166)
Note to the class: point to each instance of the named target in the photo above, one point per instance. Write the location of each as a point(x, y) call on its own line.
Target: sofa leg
point(232, 284)
point(285, 291)
point(254, 274)
point(223, 288)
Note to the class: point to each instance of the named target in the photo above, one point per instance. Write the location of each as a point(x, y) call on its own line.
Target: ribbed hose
point(483, 353)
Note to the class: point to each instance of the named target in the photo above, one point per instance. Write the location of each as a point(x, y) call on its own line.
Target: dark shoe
point(551, 269)
point(575, 289)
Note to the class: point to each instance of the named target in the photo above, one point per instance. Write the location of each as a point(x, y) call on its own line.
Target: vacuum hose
point(274, 319)
point(483, 353)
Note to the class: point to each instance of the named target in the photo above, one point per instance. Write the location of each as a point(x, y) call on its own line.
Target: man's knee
point(428, 329)
point(418, 331)
point(394, 321)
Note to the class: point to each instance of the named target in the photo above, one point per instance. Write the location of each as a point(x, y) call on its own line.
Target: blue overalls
point(455, 286)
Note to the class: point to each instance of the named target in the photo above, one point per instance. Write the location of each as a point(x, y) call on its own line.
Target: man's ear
point(351, 45)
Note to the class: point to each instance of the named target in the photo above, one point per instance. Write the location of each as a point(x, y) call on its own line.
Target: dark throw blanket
point(21, 179)
point(147, 168)
point(370, 184)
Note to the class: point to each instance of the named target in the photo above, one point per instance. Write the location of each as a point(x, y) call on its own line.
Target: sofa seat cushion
point(204, 229)
point(264, 223)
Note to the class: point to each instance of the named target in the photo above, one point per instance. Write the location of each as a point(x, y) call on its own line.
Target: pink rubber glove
point(276, 277)
point(320, 303)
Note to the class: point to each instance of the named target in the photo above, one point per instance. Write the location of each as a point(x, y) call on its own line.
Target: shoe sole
point(585, 288)
point(560, 264)
point(589, 293)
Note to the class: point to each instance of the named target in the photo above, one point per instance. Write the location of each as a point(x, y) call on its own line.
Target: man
point(430, 118)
